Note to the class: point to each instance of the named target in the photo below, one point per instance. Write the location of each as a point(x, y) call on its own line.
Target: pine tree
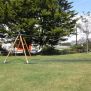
point(54, 19)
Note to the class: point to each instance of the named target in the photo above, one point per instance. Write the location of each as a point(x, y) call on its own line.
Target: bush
point(3, 52)
point(78, 48)
point(48, 50)
point(67, 51)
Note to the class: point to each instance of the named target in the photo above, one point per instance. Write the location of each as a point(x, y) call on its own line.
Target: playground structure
point(23, 43)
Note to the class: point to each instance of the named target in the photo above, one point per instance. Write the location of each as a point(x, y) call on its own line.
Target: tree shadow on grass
point(59, 61)
point(47, 61)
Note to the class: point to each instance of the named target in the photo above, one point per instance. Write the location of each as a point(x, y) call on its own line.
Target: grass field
point(46, 73)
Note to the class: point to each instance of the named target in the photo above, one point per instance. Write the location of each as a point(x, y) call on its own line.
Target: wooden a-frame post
point(22, 40)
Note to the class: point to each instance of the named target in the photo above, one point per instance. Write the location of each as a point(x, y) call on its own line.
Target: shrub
point(78, 48)
point(49, 50)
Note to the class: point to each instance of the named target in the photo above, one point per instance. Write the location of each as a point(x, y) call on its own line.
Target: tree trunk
point(87, 42)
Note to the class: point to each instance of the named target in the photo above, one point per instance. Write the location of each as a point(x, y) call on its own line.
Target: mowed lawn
point(46, 73)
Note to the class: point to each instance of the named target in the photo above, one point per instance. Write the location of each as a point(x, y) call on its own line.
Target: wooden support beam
point(11, 49)
point(22, 41)
point(26, 45)
point(24, 49)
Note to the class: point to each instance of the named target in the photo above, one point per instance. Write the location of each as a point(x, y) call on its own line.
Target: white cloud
point(80, 33)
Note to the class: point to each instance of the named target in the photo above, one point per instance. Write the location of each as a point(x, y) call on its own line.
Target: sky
point(81, 5)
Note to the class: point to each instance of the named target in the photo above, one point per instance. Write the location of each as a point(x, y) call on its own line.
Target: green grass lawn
point(46, 73)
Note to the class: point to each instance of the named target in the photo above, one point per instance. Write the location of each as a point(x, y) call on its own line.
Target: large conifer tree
point(54, 19)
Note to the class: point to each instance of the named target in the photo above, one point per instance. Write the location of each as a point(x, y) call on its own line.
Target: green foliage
point(53, 17)
point(48, 50)
point(85, 46)
point(78, 48)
